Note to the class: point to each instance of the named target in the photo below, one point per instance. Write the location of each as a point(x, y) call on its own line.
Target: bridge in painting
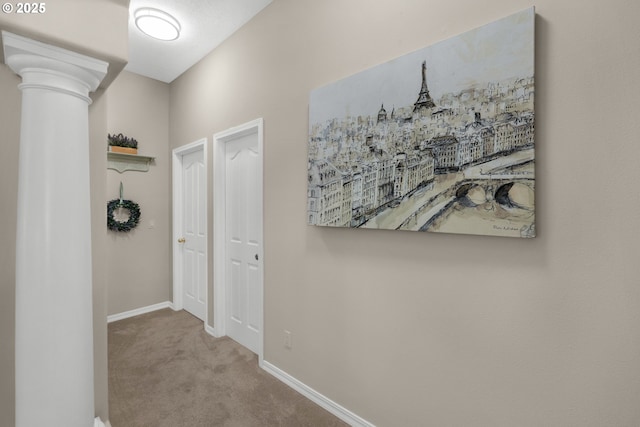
point(468, 193)
point(486, 182)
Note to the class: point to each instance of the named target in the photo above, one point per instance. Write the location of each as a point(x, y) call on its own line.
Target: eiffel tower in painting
point(424, 99)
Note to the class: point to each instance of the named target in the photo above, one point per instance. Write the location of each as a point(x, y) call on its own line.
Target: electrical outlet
point(287, 340)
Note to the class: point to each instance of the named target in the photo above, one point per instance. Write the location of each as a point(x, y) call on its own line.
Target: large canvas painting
point(438, 140)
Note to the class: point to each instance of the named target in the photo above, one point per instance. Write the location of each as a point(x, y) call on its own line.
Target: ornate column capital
point(50, 67)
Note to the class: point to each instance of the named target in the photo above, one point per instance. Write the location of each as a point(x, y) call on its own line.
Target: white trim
point(318, 398)
point(99, 423)
point(211, 331)
point(219, 221)
point(139, 311)
point(177, 154)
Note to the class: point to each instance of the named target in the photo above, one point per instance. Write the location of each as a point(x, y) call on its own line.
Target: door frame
point(219, 221)
point(178, 258)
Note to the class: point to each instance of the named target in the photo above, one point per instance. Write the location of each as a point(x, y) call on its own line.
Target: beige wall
point(139, 261)
point(433, 329)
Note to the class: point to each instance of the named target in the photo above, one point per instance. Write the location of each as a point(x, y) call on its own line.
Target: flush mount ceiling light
point(157, 24)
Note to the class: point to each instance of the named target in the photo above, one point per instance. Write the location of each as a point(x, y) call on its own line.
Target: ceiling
point(205, 24)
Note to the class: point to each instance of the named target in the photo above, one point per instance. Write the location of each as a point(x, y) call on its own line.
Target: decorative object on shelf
point(438, 140)
point(123, 155)
point(134, 214)
point(122, 144)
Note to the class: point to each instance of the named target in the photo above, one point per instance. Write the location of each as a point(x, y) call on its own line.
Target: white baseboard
point(98, 423)
point(139, 311)
point(326, 403)
point(211, 331)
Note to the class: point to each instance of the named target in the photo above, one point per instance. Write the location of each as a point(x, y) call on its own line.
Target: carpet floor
point(166, 371)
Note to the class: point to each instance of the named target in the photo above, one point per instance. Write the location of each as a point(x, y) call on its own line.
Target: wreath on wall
point(129, 224)
point(134, 214)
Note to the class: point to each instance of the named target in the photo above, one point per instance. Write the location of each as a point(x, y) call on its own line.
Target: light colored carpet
point(166, 371)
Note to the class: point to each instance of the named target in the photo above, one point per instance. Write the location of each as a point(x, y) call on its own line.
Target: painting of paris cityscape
point(439, 140)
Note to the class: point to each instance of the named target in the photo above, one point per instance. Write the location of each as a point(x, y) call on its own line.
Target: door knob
point(256, 257)
point(182, 240)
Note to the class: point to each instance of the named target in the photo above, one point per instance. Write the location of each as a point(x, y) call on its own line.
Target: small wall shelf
point(128, 162)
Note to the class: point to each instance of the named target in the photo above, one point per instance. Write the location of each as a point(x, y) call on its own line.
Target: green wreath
point(134, 215)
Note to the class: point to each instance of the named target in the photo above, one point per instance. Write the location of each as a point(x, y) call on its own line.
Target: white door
point(194, 234)
point(243, 242)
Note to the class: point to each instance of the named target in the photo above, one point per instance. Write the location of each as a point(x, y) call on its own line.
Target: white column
point(54, 326)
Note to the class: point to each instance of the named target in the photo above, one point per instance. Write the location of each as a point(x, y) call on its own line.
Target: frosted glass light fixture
point(157, 24)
